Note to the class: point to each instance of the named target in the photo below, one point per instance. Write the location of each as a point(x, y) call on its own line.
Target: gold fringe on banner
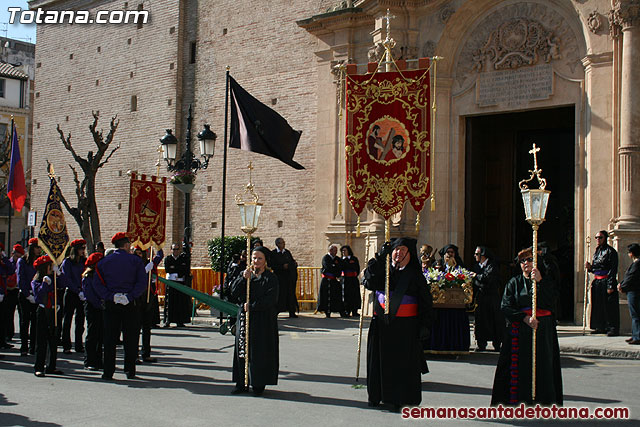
point(418, 222)
point(358, 227)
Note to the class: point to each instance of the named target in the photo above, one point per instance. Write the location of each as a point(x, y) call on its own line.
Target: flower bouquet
point(450, 289)
point(183, 177)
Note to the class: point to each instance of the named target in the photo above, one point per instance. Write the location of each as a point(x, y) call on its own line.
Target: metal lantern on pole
point(249, 215)
point(535, 207)
point(169, 146)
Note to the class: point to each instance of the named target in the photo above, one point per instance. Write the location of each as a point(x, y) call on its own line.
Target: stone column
point(625, 22)
point(626, 15)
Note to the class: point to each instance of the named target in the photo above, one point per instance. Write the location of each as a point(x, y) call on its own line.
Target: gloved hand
point(148, 267)
point(121, 299)
point(1, 297)
point(81, 296)
point(56, 270)
point(385, 250)
point(4, 254)
point(31, 299)
point(47, 280)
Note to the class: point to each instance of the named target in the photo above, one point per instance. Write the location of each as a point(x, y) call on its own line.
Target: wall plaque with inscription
point(515, 87)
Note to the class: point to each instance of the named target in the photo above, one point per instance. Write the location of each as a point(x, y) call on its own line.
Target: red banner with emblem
point(388, 140)
point(147, 212)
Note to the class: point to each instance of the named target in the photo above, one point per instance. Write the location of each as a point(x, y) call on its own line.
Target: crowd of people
point(110, 292)
point(113, 294)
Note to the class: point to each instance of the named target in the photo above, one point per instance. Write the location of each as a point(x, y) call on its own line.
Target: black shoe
point(597, 331)
point(54, 371)
point(131, 375)
point(32, 352)
point(629, 339)
point(166, 326)
point(149, 359)
point(79, 349)
point(479, 349)
point(257, 391)
point(23, 353)
point(39, 374)
point(180, 325)
point(327, 315)
point(67, 351)
point(613, 333)
point(238, 390)
point(355, 314)
point(107, 377)
point(371, 404)
point(91, 368)
point(293, 316)
point(6, 346)
point(138, 361)
point(344, 314)
point(634, 342)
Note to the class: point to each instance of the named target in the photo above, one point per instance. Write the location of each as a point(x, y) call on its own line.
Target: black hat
point(411, 244)
point(266, 252)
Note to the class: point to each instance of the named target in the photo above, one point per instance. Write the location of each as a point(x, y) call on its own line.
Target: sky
point(16, 30)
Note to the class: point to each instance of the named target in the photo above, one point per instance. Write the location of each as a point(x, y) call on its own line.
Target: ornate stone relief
point(429, 49)
point(595, 22)
point(517, 43)
point(446, 13)
point(624, 13)
point(517, 35)
point(376, 52)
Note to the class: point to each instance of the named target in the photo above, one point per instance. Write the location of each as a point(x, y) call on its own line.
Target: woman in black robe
point(263, 325)
point(395, 359)
point(350, 282)
point(512, 382)
point(489, 321)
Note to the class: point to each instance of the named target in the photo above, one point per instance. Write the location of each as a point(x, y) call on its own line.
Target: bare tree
point(86, 211)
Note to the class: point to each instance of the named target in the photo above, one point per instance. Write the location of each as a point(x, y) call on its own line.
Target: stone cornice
point(599, 59)
point(353, 16)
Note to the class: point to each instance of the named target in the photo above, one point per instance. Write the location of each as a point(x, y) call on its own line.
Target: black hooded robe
point(395, 359)
point(512, 381)
point(263, 330)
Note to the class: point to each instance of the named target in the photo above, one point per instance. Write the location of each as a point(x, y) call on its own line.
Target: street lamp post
point(188, 165)
point(249, 214)
point(535, 207)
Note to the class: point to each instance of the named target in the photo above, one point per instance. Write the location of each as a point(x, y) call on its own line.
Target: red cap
point(93, 259)
point(33, 241)
point(78, 242)
point(119, 236)
point(41, 260)
point(18, 248)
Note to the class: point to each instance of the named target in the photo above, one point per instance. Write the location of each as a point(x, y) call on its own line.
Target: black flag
point(256, 127)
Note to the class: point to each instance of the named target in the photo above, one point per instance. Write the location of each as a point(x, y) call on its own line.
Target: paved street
point(191, 383)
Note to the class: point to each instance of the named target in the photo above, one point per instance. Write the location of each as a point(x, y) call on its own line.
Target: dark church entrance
point(497, 158)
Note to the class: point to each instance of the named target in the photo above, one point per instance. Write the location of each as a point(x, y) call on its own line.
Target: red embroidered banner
point(147, 212)
point(388, 140)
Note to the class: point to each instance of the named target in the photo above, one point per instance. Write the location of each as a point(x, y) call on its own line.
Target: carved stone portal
point(520, 34)
point(515, 44)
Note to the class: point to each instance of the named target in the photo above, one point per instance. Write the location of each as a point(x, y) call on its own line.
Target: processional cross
point(388, 17)
point(534, 151)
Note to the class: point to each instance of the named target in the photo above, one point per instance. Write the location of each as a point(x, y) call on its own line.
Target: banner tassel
point(418, 223)
point(358, 227)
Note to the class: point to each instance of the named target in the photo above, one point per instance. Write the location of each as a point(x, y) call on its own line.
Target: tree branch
point(66, 141)
point(108, 157)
